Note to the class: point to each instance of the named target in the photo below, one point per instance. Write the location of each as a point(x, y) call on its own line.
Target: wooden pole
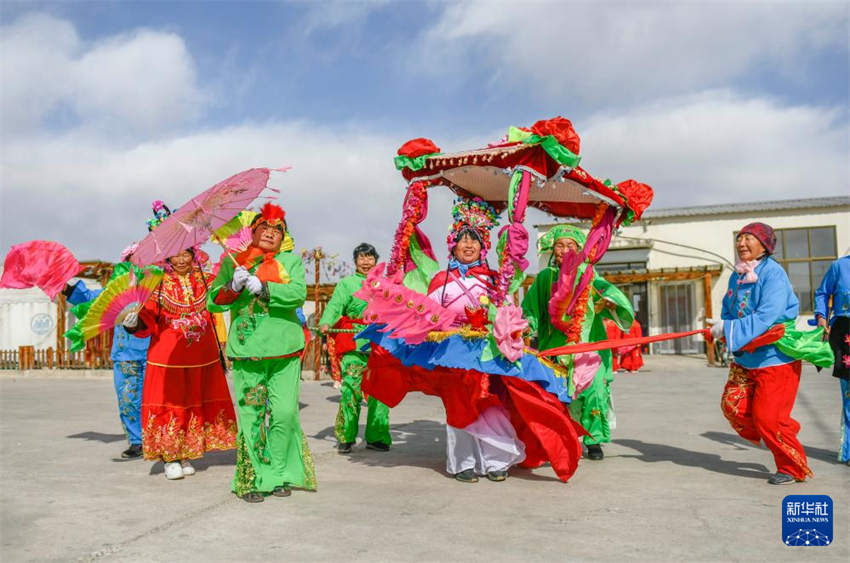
point(317, 354)
point(61, 306)
point(706, 288)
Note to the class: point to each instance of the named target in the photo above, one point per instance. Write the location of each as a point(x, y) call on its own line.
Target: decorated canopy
point(548, 152)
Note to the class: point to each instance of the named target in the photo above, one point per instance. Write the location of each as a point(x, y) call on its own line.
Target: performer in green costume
point(264, 344)
point(342, 312)
point(592, 406)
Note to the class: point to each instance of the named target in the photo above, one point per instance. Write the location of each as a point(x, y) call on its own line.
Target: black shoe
point(282, 491)
point(134, 451)
point(781, 479)
point(378, 446)
point(594, 452)
point(467, 476)
point(253, 497)
point(497, 475)
point(344, 447)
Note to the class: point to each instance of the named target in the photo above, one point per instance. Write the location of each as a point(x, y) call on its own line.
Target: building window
point(806, 254)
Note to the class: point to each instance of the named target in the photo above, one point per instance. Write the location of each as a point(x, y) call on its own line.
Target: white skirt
point(488, 444)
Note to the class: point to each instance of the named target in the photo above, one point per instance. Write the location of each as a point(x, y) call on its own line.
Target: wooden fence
point(27, 357)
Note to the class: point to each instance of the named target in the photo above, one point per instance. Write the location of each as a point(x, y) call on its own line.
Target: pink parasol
point(45, 264)
point(194, 222)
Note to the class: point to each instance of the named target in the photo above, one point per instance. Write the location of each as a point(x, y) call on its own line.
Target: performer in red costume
point(186, 405)
point(630, 357)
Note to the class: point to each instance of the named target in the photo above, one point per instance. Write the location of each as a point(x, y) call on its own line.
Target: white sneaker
point(173, 470)
point(187, 467)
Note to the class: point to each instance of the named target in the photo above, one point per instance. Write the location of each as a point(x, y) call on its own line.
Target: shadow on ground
point(210, 458)
point(738, 442)
point(652, 453)
point(421, 443)
point(98, 437)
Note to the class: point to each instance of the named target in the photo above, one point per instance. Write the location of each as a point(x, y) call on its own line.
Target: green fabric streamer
point(512, 191)
point(419, 278)
point(515, 134)
point(556, 150)
point(807, 345)
point(418, 163)
point(550, 144)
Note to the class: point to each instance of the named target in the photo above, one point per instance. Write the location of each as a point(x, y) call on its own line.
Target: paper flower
point(638, 196)
point(418, 147)
point(560, 128)
point(507, 330)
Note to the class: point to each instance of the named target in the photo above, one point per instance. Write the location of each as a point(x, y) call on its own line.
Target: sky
point(107, 106)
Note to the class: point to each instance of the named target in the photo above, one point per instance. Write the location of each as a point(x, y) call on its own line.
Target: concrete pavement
point(676, 484)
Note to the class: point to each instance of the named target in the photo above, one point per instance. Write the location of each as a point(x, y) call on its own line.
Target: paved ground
point(676, 484)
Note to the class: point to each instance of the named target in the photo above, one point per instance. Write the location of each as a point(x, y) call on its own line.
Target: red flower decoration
point(418, 147)
point(845, 359)
point(477, 318)
point(638, 196)
point(560, 128)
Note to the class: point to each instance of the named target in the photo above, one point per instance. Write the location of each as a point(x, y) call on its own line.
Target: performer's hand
point(131, 320)
point(240, 276)
point(717, 330)
point(324, 329)
point(337, 384)
point(824, 325)
point(254, 285)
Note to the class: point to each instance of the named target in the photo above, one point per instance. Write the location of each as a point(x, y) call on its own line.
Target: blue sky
point(112, 104)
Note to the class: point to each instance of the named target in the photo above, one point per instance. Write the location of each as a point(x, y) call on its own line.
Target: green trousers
point(591, 409)
point(352, 366)
point(271, 448)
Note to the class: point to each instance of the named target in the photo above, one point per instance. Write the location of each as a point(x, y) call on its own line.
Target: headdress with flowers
point(472, 215)
point(161, 212)
point(274, 216)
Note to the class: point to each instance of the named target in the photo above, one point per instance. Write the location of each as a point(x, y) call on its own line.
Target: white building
point(675, 263)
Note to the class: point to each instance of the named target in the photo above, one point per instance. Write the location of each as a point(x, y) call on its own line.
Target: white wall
point(27, 318)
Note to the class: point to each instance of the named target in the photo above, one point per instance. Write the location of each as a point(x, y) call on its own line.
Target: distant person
point(630, 356)
point(836, 322)
point(345, 312)
point(613, 332)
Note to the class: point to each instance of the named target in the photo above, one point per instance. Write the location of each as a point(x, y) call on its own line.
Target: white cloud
point(617, 52)
point(143, 81)
point(343, 188)
point(335, 13)
point(717, 147)
point(710, 148)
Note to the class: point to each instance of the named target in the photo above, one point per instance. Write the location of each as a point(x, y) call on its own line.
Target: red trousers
point(758, 403)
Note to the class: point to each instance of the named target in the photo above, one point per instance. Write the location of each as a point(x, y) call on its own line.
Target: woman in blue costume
point(765, 374)
point(129, 358)
point(836, 286)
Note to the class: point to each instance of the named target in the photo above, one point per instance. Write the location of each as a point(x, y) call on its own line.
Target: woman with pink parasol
point(186, 405)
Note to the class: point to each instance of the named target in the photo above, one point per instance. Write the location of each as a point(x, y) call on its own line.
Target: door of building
point(637, 294)
point(677, 315)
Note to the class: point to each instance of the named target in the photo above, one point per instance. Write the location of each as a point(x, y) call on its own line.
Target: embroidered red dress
point(186, 405)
